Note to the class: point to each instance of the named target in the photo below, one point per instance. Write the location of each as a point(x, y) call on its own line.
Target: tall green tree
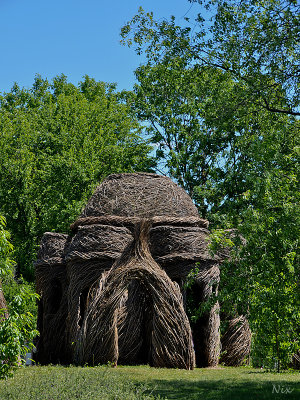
point(57, 142)
point(257, 42)
point(199, 115)
point(175, 99)
point(222, 102)
point(262, 278)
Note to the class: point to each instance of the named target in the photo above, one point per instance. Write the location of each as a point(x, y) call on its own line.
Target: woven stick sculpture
point(236, 342)
point(113, 290)
point(171, 338)
point(206, 332)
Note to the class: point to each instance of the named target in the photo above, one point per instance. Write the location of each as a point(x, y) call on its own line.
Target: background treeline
point(217, 103)
point(57, 142)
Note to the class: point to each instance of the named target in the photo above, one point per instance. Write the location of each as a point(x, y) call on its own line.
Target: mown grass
point(143, 382)
point(68, 383)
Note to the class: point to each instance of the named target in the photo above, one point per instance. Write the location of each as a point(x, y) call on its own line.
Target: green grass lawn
point(143, 382)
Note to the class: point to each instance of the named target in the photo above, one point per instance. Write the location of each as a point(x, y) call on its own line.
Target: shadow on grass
point(226, 390)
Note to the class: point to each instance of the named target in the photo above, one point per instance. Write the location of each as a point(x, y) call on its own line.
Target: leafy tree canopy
point(255, 41)
point(222, 100)
point(207, 122)
point(57, 142)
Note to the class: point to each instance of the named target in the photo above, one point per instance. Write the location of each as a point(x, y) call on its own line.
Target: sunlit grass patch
point(66, 383)
point(146, 383)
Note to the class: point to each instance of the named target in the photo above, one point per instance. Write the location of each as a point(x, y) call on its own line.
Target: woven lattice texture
point(236, 342)
point(171, 338)
point(52, 247)
point(296, 361)
point(99, 241)
point(184, 243)
point(113, 290)
point(51, 285)
point(139, 195)
point(206, 332)
point(133, 318)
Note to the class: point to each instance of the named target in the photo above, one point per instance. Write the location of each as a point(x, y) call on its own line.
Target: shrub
point(17, 330)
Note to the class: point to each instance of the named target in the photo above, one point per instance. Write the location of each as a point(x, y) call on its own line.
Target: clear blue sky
point(72, 37)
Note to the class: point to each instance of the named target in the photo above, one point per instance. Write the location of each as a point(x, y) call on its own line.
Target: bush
point(12, 287)
point(17, 330)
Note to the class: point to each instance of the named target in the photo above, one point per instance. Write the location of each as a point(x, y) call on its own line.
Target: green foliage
point(6, 263)
point(17, 330)
point(222, 103)
point(261, 280)
point(257, 42)
point(58, 141)
point(176, 98)
point(12, 286)
point(193, 309)
point(201, 117)
point(16, 334)
point(220, 240)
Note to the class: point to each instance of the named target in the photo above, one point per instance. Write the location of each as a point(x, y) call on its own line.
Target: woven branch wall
point(113, 290)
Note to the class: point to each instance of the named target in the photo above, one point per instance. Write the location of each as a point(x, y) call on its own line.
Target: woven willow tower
point(113, 290)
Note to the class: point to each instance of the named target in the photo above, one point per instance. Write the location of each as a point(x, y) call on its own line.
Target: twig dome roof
point(142, 195)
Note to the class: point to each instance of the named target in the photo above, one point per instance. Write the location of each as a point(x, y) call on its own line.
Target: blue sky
point(72, 37)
